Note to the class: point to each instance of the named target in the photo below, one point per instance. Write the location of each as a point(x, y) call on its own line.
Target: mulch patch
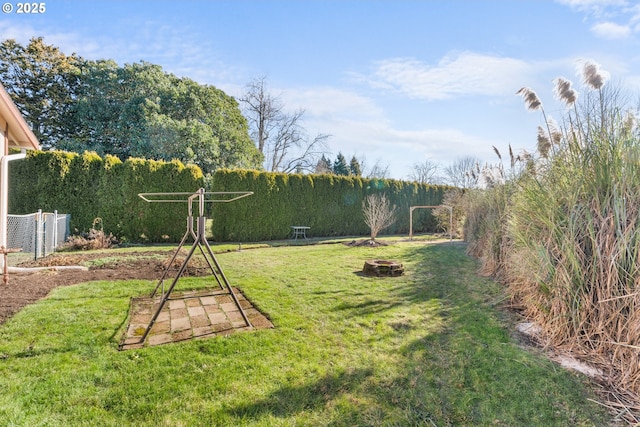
point(367, 242)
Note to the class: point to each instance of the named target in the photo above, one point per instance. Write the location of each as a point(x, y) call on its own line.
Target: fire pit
point(382, 267)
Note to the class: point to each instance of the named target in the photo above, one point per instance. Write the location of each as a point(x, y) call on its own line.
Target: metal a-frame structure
point(199, 242)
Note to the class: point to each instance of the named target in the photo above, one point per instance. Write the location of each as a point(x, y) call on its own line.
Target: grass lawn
point(429, 348)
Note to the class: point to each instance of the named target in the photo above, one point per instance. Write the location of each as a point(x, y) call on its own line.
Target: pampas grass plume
point(495, 150)
point(512, 157)
point(530, 98)
point(564, 92)
point(544, 144)
point(555, 135)
point(593, 76)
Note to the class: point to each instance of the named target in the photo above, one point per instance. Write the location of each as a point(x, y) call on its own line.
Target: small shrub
point(91, 240)
point(457, 199)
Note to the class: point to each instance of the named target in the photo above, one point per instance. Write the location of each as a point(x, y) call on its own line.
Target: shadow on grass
point(368, 307)
point(292, 399)
point(433, 279)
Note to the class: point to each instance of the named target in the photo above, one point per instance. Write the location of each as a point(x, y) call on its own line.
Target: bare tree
point(463, 173)
point(425, 172)
point(280, 136)
point(377, 170)
point(264, 111)
point(378, 214)
point(291, 150)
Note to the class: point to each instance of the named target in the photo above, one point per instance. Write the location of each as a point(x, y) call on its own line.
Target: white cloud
point(464, 74)
point(150, 41)
point(20, 33)
point(596, 7)
point(611, 30)
point(67, 42)
point(617, 19)
point(401, 149)
point(327, 102)
point(359, 126)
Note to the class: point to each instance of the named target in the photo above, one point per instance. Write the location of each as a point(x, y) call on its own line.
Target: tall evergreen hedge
point(89, 187)
point(331, 205)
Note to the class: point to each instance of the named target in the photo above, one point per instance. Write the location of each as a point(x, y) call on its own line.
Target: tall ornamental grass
point(487, 213)
point(566, 237)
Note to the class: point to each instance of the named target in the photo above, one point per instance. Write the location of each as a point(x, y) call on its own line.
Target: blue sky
point(396, 82)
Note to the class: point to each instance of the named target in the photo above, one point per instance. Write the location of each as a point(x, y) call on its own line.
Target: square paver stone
point(176, 304)
point(196, 311)
point(193, 302)
point(160, 339)
point(206, 313)
point(210, 300)
point(178, 313)
point(200, 321)
point(217, 318)
point(229, 306)
point(180, 324)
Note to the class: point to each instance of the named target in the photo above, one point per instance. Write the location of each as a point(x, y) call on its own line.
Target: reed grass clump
point(564, 233)
point(486, 217)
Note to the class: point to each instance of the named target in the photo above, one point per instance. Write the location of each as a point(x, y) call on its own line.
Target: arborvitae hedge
point(88, 187)
point(331, 205)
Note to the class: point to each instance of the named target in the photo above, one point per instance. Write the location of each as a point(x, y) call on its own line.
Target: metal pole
point(4, 187)
point(411, 223)
point(37, 234)
point(165, 297)
point(55, 230)
point(175, 255)
point(450, 223)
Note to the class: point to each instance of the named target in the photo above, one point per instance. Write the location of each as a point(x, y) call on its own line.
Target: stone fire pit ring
point(382, 268)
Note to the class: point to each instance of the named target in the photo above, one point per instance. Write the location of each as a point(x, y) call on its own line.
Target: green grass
point(428, 348)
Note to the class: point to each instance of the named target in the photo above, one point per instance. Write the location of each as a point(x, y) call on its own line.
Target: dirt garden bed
point(24, 289)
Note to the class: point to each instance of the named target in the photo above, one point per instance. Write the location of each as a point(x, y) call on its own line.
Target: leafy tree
point(354, 167)
point(139, 110)
point(340, 165)
point(135, 110)
point(110, 112)
point(43, 83)
point(211, 129)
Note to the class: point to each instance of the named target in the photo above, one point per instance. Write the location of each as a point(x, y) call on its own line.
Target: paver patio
point(190, 315)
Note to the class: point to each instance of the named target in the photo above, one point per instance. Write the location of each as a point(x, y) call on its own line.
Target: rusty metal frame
point(199, 241)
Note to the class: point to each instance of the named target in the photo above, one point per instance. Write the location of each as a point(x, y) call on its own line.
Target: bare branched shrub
point(458, 200)
point(95, 238)
point(378, 213)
